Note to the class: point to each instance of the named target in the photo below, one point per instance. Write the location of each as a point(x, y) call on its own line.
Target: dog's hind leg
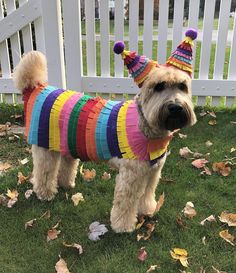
point(67, 172)
point(147, 203)
point(130, 186)
point(45, 171)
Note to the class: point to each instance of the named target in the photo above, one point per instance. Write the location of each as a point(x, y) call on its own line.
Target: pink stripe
point(137, 141)
point(64, 120)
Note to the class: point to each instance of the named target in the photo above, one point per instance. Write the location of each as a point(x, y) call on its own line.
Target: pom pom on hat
point(181, 58)
point(138, 66)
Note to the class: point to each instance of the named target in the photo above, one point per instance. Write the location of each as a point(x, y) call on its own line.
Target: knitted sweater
point(92, 129)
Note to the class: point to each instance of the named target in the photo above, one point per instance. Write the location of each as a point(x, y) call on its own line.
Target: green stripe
point(74, 116)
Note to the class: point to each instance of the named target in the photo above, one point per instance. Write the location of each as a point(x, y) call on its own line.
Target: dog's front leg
point(130, 186)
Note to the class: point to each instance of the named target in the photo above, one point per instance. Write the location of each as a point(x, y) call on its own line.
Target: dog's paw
point(126, 223)
point(45, 195)
point(121, 227)
point(147, 208)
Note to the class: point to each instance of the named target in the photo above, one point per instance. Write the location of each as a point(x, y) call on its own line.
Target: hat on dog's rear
point(181, 58)
point(138, 66)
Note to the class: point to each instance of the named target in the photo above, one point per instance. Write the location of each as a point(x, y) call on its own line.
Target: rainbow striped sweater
point(92, 129)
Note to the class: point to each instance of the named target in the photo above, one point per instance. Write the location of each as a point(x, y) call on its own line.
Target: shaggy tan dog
point(163, 105)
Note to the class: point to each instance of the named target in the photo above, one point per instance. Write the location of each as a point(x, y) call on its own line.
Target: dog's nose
point(174, 108)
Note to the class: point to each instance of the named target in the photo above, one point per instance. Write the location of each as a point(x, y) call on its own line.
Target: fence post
point(52, 25)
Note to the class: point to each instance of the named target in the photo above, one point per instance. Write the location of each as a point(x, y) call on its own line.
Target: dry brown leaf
point(24, 161)
point(21, 178)
point(52, 234)
point(189, 210)
point(185, 152)
point(151, 268)
point(61, 266)
point(204, 240)
point(77, 198)
point(206, 171)
point(208, 143)
point(212, 114)
point(28, 193)
point(142, 254)
point(106, 176)
point(140, 236)
point(180, 221)
point(160, 202)
point(229, 218)
point(199, 163)
point(150, 229)
point(212, 122)
point(181, 255)
point(78, 247)
point(217, 270)
point(46, 215)
point(232, 150)
point(221, 168)
point(12, 194)
point(210, 218)
point(141, 221)
point(88, 175)
point(224, 234)
point(30, 223)
point(5, 166)
point(182, 136)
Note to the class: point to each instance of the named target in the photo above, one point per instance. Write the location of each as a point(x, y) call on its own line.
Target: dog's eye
point(182, 86)
point(160, 87)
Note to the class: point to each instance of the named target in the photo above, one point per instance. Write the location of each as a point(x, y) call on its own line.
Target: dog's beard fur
point(165, 103)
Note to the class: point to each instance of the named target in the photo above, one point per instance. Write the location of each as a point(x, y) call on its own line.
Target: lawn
point(27, 251)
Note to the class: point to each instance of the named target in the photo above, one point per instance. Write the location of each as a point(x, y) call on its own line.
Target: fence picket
point(39, 35)
point(162, 30)
point(133, 24)
point(90, 37)
point(148, 28)
point(119, 35)
point(232, 65)
point(73, 44)
point(104, 33)
point(177, 23)
point(26, 33)
point(15, 40)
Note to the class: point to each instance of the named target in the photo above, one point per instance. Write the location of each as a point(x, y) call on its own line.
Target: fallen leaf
point(180, 222)
point(150, 229)
point(52, 234)
point(21, 178)
point(11, 202)
point(24, 161)
point(106, 176)
point(229, 218)
point(182, 136)
point(46, 215)
point(212, 122)
point(78, 247)
point(76, 198)
point(12, 194)
point(206, 171)
point(151, 268)
point(208, 143)
point(199, 163)
point(233, 122)
point(210, 218)
point(181, 255)
point(232, 150)
point(189, 210)
point(30, 223)
point(202, 114)
point(185, 152)
point(95, 230)
point(5, 166)
point(61, 266)
point(140, 236)
point(197, 155)
point(160, 203)
point(224, 234)
point(28, 193)
point(142, 254)
point(217, 270)
point(221, 168)
point(212, 114)
point(204, 240)
point(88, 175)
point(141, 221)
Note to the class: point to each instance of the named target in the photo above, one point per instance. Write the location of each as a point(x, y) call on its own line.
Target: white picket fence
point(37, 24)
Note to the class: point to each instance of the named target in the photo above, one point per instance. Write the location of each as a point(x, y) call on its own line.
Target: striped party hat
point(138, 66)
point(181, 58)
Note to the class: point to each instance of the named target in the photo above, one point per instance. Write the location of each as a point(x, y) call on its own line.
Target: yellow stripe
point(155, 154)
point(121, 132)
point(54, 130)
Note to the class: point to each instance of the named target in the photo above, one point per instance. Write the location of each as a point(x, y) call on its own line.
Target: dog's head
point(164, 101)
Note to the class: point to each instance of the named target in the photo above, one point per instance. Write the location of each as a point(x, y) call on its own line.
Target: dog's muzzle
point(176, 117)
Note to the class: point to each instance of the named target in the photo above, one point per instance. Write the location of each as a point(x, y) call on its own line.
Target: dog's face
point(165, 101)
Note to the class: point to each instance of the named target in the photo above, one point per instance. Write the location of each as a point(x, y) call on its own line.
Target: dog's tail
point(31, 71)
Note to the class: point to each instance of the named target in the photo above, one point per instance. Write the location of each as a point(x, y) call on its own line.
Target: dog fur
point(137, 180)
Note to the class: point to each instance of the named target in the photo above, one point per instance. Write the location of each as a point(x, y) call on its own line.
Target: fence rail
point(79, 51)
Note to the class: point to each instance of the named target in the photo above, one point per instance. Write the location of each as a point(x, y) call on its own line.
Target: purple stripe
point(43, 131)
point(134, 62)
point(112, 138)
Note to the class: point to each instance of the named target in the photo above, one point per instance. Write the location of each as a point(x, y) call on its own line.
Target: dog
point(64, 126)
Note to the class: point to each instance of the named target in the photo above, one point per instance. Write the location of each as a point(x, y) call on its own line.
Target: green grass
point(26, 251)
point(155, 26)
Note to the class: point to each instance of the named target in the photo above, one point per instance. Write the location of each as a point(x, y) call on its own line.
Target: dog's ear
point(181, 58)
point(138, 66)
